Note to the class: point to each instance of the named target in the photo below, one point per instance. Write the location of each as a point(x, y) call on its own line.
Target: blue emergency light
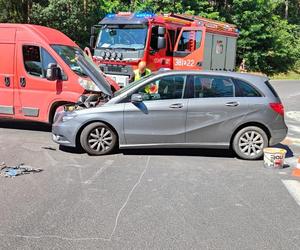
point(144, 15)
point(110, 15)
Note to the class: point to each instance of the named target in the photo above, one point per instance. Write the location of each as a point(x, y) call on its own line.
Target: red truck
point(170, 41)
point(39, 72)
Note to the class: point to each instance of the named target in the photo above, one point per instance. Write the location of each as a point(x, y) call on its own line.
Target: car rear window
point(245, 90)
point(271, 88)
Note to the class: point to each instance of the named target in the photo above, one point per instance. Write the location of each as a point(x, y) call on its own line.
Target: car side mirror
point(135, 98)
point(161, 42)
point(92, 41)
point(53, 72)
point(161, 31)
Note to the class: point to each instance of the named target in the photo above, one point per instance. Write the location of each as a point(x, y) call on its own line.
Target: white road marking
point(293, 186)
point(128, 197)
point(294, 115)
point(107, 164)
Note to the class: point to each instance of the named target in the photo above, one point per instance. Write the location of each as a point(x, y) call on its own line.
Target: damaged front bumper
point(63, 130)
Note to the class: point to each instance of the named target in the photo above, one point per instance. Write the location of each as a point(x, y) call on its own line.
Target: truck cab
point(171, 41)
point(39, 72)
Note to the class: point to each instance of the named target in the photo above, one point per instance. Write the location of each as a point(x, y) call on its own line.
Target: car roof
point(39, 33)
point(245, 76)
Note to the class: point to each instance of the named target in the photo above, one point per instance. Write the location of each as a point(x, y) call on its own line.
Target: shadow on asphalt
point(203, 152)
point(25, 125)
point(222, 153)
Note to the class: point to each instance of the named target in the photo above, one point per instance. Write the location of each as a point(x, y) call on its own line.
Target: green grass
point(291, 75)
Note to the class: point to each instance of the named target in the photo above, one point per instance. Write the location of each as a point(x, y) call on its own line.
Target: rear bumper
point(277, 136)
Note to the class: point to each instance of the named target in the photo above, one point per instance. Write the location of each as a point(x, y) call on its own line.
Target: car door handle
point(232, 104)
point(176, 106)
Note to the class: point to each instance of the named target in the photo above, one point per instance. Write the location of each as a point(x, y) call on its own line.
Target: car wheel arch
point(53, 108)
point(248, 124)
point(90, 122)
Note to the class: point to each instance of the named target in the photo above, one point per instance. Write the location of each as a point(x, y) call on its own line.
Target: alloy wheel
point(100, 139)
point(251, 143)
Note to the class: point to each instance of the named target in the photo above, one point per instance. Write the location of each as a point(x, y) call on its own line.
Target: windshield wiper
point(125, 48)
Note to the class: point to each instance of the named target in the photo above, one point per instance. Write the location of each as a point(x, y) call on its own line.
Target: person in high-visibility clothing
point(141, 71)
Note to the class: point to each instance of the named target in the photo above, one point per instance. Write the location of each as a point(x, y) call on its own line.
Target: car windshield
point(122, 37)
point(68, 54)
point(131, 85)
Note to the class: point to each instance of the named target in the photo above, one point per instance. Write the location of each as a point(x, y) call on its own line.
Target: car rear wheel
point(98, 139)
point(249, 143)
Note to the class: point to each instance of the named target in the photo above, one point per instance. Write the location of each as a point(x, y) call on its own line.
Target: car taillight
point(277, 107)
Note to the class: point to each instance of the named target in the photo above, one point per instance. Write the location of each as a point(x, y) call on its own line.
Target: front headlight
point(88, 84)
point(68, 116)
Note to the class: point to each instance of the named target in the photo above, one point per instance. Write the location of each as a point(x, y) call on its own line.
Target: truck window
point(190, 40)
point(36, 60)
point(46, 60)
point(32, 60)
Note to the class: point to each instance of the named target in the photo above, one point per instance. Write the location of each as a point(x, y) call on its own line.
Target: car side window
point(245, 90)
point(36, 60)
point(168, 87)
point(213, 86)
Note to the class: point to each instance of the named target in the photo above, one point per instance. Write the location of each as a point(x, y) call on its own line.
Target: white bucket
point(274, 157)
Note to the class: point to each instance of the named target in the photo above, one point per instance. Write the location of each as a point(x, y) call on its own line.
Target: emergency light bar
point(110, 15)
point(121, 13)
point(144, 15)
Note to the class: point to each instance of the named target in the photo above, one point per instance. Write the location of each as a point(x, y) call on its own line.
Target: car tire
point(249, 142)
point(98, 139)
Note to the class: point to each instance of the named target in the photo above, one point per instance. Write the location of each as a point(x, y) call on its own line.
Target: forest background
point(269, 38)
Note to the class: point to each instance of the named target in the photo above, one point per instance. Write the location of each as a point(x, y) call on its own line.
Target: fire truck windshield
point(132, 37)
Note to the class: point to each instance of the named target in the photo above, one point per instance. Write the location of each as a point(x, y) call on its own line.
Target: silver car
point(176, 109)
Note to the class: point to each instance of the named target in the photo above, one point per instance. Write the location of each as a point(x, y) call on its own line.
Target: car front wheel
point(98, 139)
point(249, 143)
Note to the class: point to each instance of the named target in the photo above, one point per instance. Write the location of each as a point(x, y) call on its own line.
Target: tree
point(267, 42)
point(17, 11)
point(72, 17)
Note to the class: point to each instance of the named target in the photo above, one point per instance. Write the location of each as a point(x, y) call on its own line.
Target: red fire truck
point(173, 41)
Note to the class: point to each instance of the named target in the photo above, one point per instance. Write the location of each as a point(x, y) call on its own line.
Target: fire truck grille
point(114, 69)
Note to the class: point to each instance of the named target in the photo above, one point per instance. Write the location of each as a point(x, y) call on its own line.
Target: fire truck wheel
point(98, 139)
point(249, 143)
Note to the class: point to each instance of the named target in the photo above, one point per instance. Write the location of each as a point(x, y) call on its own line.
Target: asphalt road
point(147, 199)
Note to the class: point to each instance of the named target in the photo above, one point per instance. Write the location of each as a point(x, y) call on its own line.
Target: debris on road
point(49, 148)
point(17, 170)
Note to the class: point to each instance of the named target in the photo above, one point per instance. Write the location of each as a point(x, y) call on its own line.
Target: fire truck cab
point(172, 41)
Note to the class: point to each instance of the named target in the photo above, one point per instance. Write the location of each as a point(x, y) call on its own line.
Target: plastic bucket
point(274, 157)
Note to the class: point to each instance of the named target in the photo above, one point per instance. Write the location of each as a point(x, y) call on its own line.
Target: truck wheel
point(249, 143)
point(98, 139)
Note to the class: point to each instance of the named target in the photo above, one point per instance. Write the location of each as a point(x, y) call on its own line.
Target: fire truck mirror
point(161, 31)
point(161, 42)
point(93, 31)
point(92, 41)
